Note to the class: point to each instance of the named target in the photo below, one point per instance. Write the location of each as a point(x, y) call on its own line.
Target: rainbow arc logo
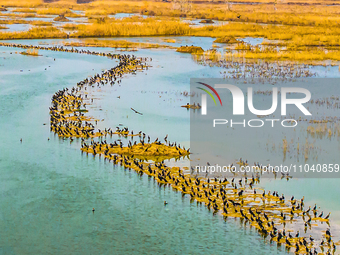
point(209, 93)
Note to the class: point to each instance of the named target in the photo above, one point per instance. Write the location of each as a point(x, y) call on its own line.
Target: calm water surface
point(48, 188)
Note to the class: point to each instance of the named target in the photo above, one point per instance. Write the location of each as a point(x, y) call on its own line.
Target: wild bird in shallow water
point(211, 191)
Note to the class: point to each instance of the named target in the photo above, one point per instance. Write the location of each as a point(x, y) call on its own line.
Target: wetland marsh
point(66, 101)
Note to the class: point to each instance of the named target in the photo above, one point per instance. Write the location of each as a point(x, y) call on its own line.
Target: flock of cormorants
point(255, 70)
point(269, 213)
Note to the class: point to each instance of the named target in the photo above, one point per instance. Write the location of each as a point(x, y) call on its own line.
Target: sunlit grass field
point(293, 30)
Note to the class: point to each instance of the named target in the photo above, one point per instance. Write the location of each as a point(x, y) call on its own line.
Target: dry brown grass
point(30, 52)
point(307, 31)
point(25, 10)
point(70, 27)
point(114, 44)
point(15, 21)
point(307, 14)
point(21, 3)
point(133, 27)
point(190, 49)
point(41, 23)
point(34, 33)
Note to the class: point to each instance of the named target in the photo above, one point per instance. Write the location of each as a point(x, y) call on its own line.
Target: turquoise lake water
point(48, 187)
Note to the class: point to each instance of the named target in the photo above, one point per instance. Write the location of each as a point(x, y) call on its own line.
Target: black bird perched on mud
point(327, 215)
point(297, 248)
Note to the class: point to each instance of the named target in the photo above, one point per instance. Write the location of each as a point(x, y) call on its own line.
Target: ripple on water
point(48, 194)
